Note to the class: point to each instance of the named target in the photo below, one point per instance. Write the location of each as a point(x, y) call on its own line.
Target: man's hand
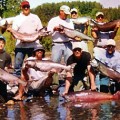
point(51, 73)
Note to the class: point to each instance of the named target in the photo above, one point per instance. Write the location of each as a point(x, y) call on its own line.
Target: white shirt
point(27, 24)
point(56, 21)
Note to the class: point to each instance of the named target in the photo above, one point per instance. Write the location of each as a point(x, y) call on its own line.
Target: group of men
point(73, 52)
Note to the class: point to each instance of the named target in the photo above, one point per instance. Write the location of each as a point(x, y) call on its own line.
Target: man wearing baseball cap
point(82, 60)
point(39, 79)
point(110, 57)
point(102, 37)
point(5, 63)
point(25, 22)
point(80, 27)
point(61, 45)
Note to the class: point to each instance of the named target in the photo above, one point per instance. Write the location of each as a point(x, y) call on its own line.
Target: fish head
point(30, 63)
point(43, 32)
point(81, 20)
point(69, 97)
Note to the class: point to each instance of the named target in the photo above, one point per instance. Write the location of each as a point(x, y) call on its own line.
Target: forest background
point(10, 8)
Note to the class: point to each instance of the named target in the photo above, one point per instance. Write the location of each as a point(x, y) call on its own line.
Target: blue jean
point(101, 81)
point(20, 54)
point(59, 49)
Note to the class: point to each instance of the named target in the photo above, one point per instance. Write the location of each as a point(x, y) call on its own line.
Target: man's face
point(77, 52)
point(63, 15)
point(110, 49)
point(2, 45)
point(74, 15)
point(100, 18)
point(39, 54)
point(26, 9)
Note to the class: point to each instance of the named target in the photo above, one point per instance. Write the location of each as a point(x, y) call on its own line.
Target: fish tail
point(73, 65)
point(70, 67)
point(116, 95)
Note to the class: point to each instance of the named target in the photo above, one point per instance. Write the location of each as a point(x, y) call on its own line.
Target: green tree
point(12, 8)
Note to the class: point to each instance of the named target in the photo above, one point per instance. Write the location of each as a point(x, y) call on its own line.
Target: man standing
point(102, 37)
point(82, 59)
point(61, 44)
point(5, 63)
point(29, 23)
point(80, 27)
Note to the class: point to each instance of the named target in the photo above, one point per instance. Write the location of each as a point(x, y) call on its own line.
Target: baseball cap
point(24, 3)
point(2, 38)
point(65, 8)
point(111, 42)
point(74, 10)
point(99, 13)
point(76, 45)
point(39, 48)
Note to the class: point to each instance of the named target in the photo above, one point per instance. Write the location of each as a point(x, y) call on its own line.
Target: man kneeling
point(36, 79)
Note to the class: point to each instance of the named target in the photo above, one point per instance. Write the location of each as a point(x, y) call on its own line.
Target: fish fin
point(117, 95)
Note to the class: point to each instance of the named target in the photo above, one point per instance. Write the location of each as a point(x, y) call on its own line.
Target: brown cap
point(24, 3)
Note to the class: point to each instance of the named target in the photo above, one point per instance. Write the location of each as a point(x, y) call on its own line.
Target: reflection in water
point(55, 108)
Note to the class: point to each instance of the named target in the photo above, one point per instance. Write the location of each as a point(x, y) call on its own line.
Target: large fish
point(90, 96)
point(74, 34)
point(9, 78)
point(109, 26)
point(25, 37)
point(46, 65)
point(81, 20)
point(107, 71)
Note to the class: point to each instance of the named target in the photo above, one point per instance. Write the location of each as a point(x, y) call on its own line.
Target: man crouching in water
point(35, 78)
point(82, 59)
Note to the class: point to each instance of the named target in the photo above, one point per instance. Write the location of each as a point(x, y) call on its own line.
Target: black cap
point(2, 38)
point(39, 48)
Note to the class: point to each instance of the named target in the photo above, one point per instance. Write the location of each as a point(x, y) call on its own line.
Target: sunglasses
point(25, 6)
point(77, 49)
point(73, 12)
point(111, 46)
point(100, 16)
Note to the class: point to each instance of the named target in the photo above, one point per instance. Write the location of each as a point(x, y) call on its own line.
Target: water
point(55, 108)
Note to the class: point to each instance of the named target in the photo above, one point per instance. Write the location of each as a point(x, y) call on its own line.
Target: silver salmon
point(107, 71)
point(46, 65)
point(109, 26)
point(90, 96)
point(74, 34)
point(25, 37)
point(81, 20)
point(9, 78)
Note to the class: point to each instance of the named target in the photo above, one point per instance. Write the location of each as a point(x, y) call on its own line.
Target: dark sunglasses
point(100, 16)
point(25, 6)
point(73, 12)
point(77, 49)
point(110, 46)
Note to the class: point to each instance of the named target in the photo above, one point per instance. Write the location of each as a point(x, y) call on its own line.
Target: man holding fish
point(82, 60)
point(82, 27)
point(100, 36)
point(5, 63)
point(111, 58)
point(27, 23)
point(61, 44)
point(35, 78)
